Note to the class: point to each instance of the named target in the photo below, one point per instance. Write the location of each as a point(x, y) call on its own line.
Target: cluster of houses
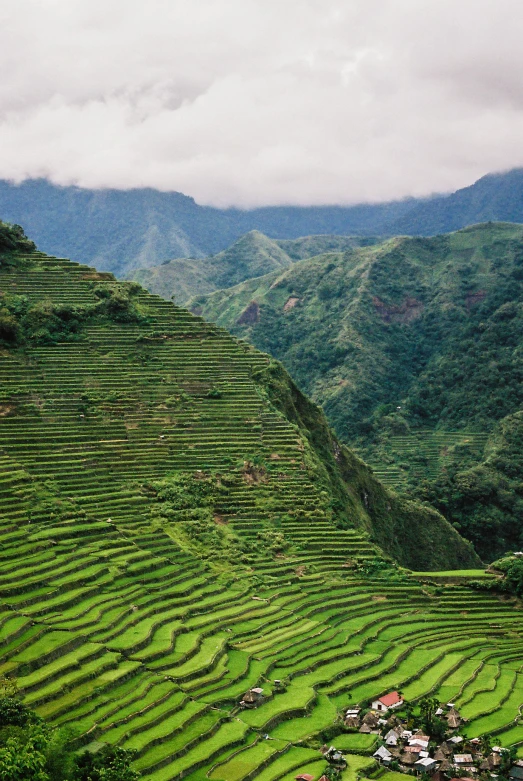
point(409, 750)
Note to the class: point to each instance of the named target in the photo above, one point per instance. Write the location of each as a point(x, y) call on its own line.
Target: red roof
point(305, 777)
point(390, 699)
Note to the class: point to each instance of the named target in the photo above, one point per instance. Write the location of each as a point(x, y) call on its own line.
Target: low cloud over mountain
point(242, 102)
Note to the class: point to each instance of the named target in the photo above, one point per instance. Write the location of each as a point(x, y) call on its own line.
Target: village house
point(304, 777)
point(444, 766)
point(371, 719)
point(332, 755)
point(394, 722)
point(419, 740)
point(383, 755)
point(370, 723)
point(492, 762)
point(453, 718)
point(352, 717)
point(425, 765)
point(463, 759)
point(516, 772)
point(408, 758)
point(391, 738)
point(252, 698)
point(387, 702)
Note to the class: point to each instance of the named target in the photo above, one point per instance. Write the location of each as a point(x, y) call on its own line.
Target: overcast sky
point(253, 102)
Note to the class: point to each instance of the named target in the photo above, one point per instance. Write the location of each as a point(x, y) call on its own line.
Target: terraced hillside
point(425, 453)
point(170, 538)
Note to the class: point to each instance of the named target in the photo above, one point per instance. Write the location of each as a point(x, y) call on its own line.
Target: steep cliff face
point(416, 536)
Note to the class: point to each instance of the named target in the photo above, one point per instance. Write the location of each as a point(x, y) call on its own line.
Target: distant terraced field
point(116, 624)
point(423, 454)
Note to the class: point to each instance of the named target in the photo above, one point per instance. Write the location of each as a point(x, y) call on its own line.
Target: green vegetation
point(12, 241)
point(166, 548)
point(252, 255)
point(509, 571)
point(30, 751)
point(412, 347)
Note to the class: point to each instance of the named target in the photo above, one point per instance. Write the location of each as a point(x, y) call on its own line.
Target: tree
point(508, 757)
point(486, 744)
point(8, 686)
point(428, 707)
point(109, 764)
point(21, 761)
point(14, 713)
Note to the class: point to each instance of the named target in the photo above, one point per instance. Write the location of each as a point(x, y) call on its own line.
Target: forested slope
point(413, 347)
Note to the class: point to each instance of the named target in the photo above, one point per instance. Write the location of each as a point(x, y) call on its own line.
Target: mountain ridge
point(253, 255)
point(120, 231)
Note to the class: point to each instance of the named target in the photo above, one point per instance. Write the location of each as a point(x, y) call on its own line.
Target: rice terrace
point(192, 568)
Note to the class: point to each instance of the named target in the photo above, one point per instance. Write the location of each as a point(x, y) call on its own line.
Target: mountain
point(124, 230)
point(252, 255)
point(413, 347)
point(181, 533)
point(121, 231)
point(493, 198)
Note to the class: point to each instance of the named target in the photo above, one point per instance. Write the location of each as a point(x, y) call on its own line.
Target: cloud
point(254, 102)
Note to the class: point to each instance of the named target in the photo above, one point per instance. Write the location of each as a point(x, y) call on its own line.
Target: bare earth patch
point(250, 315)
point(290, 303)
point(409, 310)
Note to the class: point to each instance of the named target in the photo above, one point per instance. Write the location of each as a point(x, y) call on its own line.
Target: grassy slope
point(252, 255)
point(407, 335)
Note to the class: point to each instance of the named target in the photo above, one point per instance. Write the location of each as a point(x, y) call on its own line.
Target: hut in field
point(252, 698)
